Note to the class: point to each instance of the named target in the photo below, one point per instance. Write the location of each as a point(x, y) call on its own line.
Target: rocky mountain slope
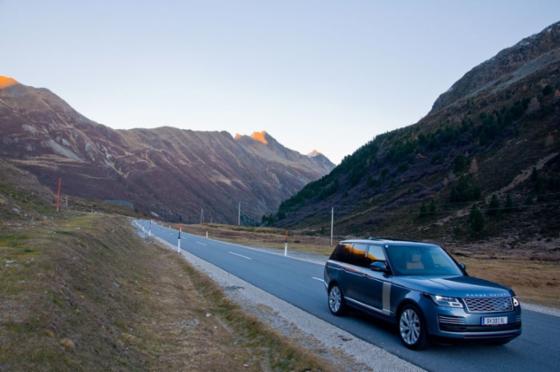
point(483, 162)
point(171, 172)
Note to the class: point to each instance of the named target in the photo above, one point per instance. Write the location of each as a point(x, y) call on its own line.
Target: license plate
point(494, 320)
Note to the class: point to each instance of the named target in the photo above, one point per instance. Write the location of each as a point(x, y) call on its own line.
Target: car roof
point(388, 243)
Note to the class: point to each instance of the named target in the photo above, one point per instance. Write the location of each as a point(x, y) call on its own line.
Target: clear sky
point(313, 73)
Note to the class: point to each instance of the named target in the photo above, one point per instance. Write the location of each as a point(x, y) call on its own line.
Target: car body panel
point(458, 286)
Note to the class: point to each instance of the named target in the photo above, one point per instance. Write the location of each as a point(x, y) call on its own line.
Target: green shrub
point(509, 206)
point(493, 206)
point(427, 210)
point(547, 90)
point(476, 221)
point(460, 164)
point(465, 190)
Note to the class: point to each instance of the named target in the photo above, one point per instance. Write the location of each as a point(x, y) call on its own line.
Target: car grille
point(488, 304)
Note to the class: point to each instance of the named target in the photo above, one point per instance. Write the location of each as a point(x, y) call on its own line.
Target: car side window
point(342, 253)
point(376, 253)
point(360, 255)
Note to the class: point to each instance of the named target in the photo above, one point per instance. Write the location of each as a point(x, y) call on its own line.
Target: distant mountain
point(485, 160)
point(321, 159)
point(171, 172)
point(507, 67)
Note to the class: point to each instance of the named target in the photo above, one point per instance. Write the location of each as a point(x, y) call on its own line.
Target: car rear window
point(342, 253)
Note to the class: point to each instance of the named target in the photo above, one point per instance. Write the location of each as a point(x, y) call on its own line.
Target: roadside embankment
point(86, 293)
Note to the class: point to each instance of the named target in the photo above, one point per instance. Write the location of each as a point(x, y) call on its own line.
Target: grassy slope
point(23, 198)
point(84, 293)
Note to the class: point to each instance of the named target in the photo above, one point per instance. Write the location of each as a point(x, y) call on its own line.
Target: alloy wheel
point(409, 326)
point(335, 299)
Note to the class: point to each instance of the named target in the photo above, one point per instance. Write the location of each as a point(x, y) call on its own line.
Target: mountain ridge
point(161, 170)
point(492, 149)
point(491, 73)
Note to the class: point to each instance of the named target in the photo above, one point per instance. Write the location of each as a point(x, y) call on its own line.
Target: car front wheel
point(412, 329)
point(336, 300)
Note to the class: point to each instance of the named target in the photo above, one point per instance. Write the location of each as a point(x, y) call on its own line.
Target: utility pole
point(58, 189)
point(239, 214)
point(332, 224)
point(201, 216)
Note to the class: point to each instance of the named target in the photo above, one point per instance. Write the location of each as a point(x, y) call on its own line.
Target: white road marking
point(319, 279)
point(200, 243)
point(240, 255)
point(259, 250)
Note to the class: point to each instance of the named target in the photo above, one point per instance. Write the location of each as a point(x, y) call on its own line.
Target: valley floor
point(84, 292)
point(536, 281)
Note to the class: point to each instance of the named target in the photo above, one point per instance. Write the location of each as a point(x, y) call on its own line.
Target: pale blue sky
point(315, 74)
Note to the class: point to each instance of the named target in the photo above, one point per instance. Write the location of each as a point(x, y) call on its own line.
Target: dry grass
point(263, 237)
point(85, 293)
point(534, 280)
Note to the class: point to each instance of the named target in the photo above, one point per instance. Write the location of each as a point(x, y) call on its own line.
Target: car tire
point(412, 328)
point(336, 300)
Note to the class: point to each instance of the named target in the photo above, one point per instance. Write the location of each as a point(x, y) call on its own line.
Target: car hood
point(456, 286)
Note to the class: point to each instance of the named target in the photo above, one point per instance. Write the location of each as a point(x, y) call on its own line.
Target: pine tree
point(432, 207)
point(509, 207)
point(476, 221)
point(493, 206)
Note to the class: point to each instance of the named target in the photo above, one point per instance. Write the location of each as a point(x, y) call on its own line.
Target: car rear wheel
point(412, 328)
point(336, 300)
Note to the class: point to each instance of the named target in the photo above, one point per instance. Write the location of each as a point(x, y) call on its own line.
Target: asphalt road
point(300, 283)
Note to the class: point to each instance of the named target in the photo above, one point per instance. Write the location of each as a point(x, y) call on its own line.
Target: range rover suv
point(422, 289)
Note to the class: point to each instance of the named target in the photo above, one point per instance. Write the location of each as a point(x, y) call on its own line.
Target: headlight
point(516, 302)
point(446, 301)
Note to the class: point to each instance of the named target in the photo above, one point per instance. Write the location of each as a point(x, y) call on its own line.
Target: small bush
point(493, 206)
point(547, 90)
point(476, 221)
point(460, 164)
point(466, 189)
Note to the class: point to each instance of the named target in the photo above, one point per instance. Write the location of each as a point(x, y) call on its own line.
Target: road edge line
point(541, 309)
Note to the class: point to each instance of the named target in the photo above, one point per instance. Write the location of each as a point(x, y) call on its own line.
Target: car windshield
point(425, 260)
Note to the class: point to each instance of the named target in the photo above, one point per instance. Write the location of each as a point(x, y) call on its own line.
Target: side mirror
point(463, 267)
point(380, 266)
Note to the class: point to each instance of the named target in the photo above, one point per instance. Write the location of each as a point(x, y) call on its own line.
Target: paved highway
point(300, 283)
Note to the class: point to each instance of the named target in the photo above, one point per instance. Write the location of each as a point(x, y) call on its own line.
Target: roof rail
point(393, 239)
point(376, 238)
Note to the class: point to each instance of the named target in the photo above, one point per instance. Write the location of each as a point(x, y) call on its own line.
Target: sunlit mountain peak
point(6, 81)
point(260, 137)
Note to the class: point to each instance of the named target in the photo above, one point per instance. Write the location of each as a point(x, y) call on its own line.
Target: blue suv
point(422, 289)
